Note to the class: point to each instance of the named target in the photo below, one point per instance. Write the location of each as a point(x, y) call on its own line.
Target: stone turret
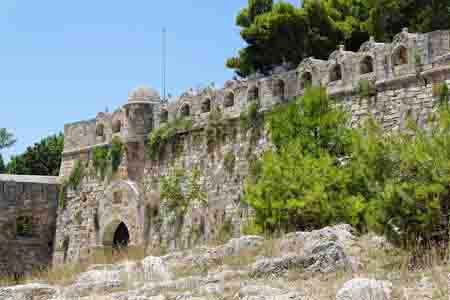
point(139, 113)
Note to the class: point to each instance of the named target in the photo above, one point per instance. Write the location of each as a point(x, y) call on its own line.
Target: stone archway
point(121, 236)
point(116, 235)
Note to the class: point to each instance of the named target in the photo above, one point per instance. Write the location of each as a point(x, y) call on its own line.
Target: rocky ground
point(331, 263)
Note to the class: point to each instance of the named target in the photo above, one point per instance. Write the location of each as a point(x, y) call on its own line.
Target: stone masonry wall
point(403, 79)
point(32, 200)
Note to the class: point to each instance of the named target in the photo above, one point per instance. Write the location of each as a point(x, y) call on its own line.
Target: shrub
point(366, 88)
point(76, 176)
point(115, 153)
point(101, 161)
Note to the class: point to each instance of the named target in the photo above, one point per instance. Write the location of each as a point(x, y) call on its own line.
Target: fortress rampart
point(390, 81)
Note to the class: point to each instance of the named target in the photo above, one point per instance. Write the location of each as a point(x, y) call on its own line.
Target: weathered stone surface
point(259, 292)
point(155, 269)
point(276, 266)
point(28, 292)
point(365, 289)
point(94, 282)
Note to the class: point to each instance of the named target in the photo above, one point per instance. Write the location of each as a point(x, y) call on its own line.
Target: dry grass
point(66, 274)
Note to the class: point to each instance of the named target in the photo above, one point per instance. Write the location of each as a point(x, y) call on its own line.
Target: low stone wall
point(28, 206)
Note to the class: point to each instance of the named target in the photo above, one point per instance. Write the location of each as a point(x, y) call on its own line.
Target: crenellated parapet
point(410, 58)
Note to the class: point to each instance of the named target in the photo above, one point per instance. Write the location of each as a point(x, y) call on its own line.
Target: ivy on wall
point(251, 120)
point(158, 139)
point(24, 226)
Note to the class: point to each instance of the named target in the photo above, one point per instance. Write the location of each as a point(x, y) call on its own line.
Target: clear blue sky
point(62, 61)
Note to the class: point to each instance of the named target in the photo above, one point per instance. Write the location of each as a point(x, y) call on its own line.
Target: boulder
point(296, 242)
point(155, 269)
point(31, 291)
point(326, 257)
point(95, 282)
point(365, 289)
point(276, 266)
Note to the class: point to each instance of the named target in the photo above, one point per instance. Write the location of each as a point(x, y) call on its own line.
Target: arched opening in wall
point(65, 248)
point(400, 56)
point(206, 105)
point(253, 94)
point(164, 116)
point(117, 126)
point(335, 73)
point(229, 99)
point(306, 80)
point(100, 130)
point(278, 90)
point(185, 111)
point(366, 65)
point(121, 237)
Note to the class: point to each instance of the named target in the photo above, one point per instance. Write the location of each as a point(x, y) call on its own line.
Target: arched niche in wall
point(100, 130)
point(278, 89)
point(229, 99)
point(206, 105)
point(305, 80)
point(185, 110)
point(164, 116)
point(335, 73)
point(400, 56)
point(366, 65)
point(253, 94)
point(116, 126)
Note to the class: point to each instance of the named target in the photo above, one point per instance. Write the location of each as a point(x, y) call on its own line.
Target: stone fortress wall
point(28, 206)
point(403, 76)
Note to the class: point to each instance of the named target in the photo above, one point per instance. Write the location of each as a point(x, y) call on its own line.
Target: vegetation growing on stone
point(76, 175)
point(158, 139)
point(251, 121)
point(115, 153)
point(215, 129)
point(175, 197)
point(100, 160)
point(366, 88)
point(229, 162)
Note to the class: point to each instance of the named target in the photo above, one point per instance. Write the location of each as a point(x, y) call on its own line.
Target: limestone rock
point(342, 234)
point(94, 282)
point(326, 257)
point(155, 269)
point(244, 243)
point(365, 289)
point(276, 266)
point(32, 291)
point(259, 292)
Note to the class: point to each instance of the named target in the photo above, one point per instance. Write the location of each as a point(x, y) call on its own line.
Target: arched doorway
point(116, 235)
point(121, 236)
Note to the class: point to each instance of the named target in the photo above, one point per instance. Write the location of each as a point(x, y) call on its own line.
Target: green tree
point(2, 165)
point(43, 158)
point(6, 138)
point(303, 183)
point(389, 17)
point(414, 203)
point(281, 32)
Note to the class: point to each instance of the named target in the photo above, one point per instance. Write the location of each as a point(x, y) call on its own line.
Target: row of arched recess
point(366, 66)
point(253, 94)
